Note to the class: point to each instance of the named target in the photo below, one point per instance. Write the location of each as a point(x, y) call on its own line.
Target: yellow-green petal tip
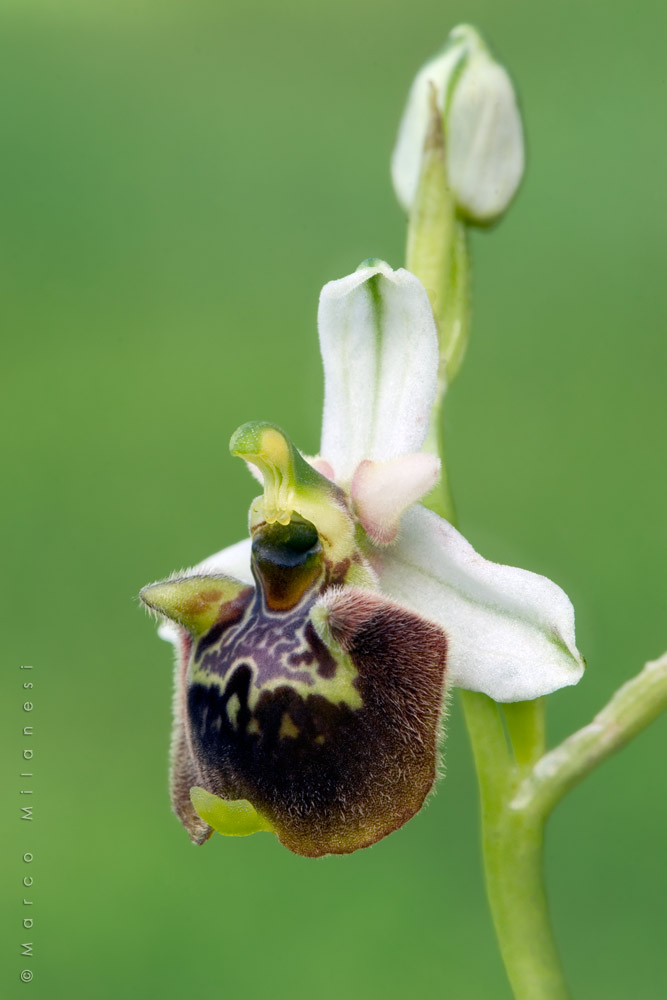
point(231, 818)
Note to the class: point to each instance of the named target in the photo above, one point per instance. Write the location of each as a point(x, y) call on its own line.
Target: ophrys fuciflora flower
point(313, 658)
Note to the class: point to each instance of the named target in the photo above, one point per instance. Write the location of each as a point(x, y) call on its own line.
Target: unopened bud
point(482, 129)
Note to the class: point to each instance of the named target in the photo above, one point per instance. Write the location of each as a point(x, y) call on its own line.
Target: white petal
point(380, 354)
point(407, 156)
point(382, 491)
point(484, 138)
point(510, 632)
point(233, 561)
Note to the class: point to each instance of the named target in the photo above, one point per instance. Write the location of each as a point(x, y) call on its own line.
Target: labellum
point(306, 704)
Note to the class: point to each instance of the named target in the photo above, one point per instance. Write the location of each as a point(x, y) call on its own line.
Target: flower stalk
point(437, 251)
point(437, 254)
point(519, 783)
point(512, 839)
point(431, 226)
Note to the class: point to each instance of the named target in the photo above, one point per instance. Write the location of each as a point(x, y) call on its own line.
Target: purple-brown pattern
point(333, 740)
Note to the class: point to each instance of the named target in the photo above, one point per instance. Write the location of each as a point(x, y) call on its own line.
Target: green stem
point(437, 252)
point(512, 848)
point(511, 838)
point(518, 783)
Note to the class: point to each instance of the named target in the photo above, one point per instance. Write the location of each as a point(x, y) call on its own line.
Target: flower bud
point(482, 127)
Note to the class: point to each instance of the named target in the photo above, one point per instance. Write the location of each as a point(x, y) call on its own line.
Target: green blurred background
point(178, 181)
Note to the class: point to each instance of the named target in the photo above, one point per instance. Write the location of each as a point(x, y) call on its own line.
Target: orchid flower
point(313, 657)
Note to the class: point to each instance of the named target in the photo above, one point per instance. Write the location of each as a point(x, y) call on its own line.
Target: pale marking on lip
point(233, 706)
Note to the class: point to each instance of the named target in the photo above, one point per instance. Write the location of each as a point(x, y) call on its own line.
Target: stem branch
point(633, 707)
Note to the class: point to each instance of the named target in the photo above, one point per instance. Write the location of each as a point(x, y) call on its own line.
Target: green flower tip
point(373, 262)
point(467, 34)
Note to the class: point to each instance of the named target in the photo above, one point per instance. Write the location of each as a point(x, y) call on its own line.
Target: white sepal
point(510, 632)
point(407, 156)
point(484, 139)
